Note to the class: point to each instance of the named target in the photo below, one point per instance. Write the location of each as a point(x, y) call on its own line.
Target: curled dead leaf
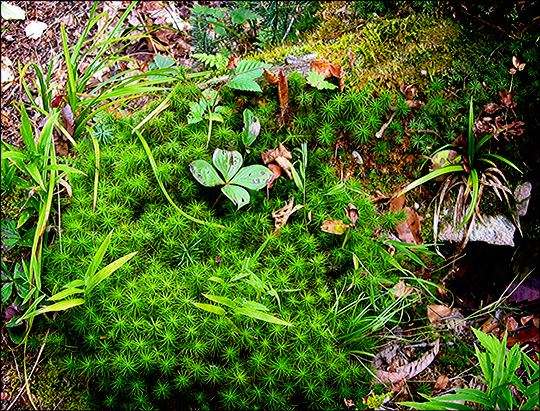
point(352, 213)
point(334, 226)
point(282, 215)
point(277, 160)
point(270, 77)
point(283, 92)
point(401, 289)
point(409, 230)
point(233, 61)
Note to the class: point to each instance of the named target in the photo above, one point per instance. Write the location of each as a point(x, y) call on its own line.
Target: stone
point(498, 230)
point(522, 195)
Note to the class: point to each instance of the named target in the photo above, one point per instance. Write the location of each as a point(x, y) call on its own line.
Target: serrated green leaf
point(259, 315)
point(236, 194)
point(253, 177)
point(205, 174)
point(214, 309)
point(227, 162)
point(244, 83)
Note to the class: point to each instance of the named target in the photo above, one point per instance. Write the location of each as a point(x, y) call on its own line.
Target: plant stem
point(209, 130)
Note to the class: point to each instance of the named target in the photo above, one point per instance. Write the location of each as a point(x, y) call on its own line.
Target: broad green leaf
point(228, 162)
point(242, 15)
point(107, 271)
point(215, 117)
point(65, 293)
point(214, 309)
point(192, 118)
point(221, 300)
point(163, 62)
point(12, 12)
point(205, 174)
point(236, 194)
point(296, 178)
point(244, 83)
point(258, 315)
point(253, 177)
point(62, 305)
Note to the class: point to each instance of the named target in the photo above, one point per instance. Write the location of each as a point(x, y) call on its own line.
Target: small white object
point(416, 206)
point(35, 29)
point(356, 155)
point(424, 72)
point(12, 12)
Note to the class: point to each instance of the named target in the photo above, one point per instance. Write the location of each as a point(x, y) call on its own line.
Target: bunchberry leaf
point(236, 194)
point(253, 177)
point(227, 162)
point(205, 174)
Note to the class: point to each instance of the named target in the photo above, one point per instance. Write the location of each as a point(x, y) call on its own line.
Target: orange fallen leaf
point(233, 62)
point(283, 92)
point(327, 69)
point(277, 160)
point(277, 173)
point(270, 77)
point(436, 312)
point(334, 226)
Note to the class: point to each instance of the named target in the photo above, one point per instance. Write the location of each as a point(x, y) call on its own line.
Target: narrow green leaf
point(62, 305)
point(65, 293)
point(255, 306)
point(98, 257)
point(504, 160)
point(75, 284)
point(296, 178)
point(107, 271)
point(27, 133)
point(95, 143)
point(62, 167)
point(217, 280)
point(258, 315)
point(431, 176)
point(154, 168)
point(221, 300)
point(210, 308)
point(473, 180)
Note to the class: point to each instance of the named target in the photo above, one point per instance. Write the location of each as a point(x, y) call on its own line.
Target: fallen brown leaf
point(282, 215)
point(442, 382)
point(334, 226)
point(401, 289)
point(327, 69)
point(278, 157)
point(436, 312)
point(283, 92)
point(510, 323)
point(489, 325)
point(277, 173)
point(352, 213)
point(270, 77)
point(409, 230)
point(233, 61)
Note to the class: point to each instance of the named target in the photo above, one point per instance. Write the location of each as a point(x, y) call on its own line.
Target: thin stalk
point(209, 129)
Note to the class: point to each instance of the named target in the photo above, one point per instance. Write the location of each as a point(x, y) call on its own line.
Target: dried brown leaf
point(334, 226)
point(510, 323)
point(436, 312)
point(327, 69)
point(401, 289)
point(233, 62)
point(283, 92)
point(352, 213)
point(282, 215)
point(442, 382)
point(409, 230)
point(270, 77)
point(285, 164)
point(277, 173)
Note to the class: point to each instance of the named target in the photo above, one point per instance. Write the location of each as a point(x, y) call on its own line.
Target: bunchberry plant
point(235, 178)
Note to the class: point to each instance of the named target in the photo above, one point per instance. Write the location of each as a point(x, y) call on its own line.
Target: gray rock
point(522, 194)
point(498, 230)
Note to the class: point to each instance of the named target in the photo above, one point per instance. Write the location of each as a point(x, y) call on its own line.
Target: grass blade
point(107, 271)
